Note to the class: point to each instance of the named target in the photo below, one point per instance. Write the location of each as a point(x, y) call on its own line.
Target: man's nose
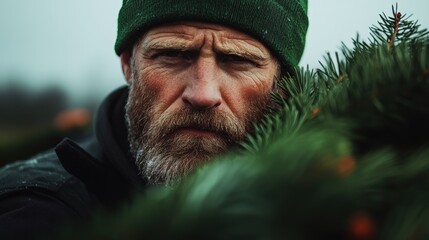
point(203, 87)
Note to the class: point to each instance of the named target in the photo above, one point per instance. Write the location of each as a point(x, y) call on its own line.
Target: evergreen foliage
point(343, 154)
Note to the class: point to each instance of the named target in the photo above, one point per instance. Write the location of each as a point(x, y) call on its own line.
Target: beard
point(161, 150)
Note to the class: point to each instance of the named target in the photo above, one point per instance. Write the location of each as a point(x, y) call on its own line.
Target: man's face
point(195, 91)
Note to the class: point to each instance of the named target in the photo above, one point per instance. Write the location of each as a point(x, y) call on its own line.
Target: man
point(199, 75)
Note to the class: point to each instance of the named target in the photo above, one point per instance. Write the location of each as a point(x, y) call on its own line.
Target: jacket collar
point(104, 163)
point(111, 133)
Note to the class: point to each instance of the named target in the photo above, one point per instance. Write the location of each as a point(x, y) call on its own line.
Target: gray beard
point(164, 156)
point(159, 166)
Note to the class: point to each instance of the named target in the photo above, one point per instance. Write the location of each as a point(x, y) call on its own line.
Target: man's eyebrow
point(242, 53)
point(243, 49)
point(161, 45)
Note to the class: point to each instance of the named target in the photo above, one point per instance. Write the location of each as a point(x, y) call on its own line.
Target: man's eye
point(232, 58)
point(176, 54)
point(171, 54)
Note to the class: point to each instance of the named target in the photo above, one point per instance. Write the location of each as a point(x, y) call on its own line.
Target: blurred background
point(57, 61)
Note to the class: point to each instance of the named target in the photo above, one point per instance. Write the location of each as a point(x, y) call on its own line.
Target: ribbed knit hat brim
point(281, 25)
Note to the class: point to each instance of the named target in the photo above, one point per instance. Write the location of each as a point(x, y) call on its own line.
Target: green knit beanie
point(280, 24)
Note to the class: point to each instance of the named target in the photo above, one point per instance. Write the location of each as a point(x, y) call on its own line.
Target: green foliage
point(342, 154)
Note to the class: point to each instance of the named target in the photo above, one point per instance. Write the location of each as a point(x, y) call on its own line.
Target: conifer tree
point(342, 154)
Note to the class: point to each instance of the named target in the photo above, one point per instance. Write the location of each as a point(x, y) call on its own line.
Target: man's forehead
point(184, 34)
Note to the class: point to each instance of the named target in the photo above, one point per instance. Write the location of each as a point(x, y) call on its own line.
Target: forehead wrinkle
point(182, 38)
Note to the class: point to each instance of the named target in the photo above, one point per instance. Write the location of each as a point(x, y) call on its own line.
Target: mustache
point(208, 120)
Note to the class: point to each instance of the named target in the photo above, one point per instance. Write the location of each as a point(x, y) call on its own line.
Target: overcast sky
point(70, 42)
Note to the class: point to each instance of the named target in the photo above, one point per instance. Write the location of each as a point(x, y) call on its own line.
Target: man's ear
point(126, 64)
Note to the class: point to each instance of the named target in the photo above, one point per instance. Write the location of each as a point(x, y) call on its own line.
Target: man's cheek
point(251, 100)
point(162, 90)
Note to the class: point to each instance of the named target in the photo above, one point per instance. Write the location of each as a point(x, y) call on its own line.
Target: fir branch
point(395, 32)
point(397, 28)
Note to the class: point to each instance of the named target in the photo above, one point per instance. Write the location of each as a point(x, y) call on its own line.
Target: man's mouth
point(197, 132)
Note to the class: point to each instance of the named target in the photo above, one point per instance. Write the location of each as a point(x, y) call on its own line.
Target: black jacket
point(73, 180)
